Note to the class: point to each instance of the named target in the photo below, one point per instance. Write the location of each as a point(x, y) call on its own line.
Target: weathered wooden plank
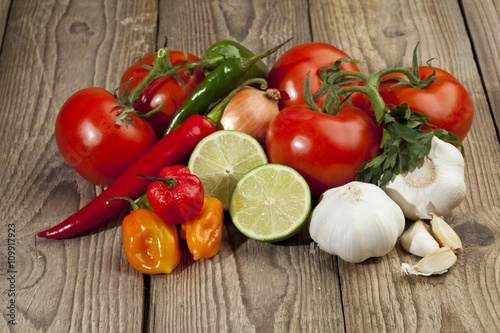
point(85, 284)
point(249, 286)
point(483, 22)
point(376, 295)
point(4, 12)
point(75, 285)
point(258, 25)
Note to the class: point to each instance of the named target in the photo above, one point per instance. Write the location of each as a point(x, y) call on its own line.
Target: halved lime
point(222, 158)
point(270, 203)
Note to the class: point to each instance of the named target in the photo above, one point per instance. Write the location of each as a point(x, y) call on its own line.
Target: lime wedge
point(270, 203)
point(222, 158)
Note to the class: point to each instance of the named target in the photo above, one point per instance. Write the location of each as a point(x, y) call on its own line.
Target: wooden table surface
point(50, 49)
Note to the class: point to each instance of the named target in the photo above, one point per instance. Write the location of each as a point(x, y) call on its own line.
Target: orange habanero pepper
point(203, 234)
point(151, 245)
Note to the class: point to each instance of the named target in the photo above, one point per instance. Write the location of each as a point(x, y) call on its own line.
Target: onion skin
point(250, 111)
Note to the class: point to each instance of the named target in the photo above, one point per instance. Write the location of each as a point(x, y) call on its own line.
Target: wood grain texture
point(85, 284)
point(376, 295)
point(483, 22)
point(75, 285)
point(4, 12)
point(259, 24)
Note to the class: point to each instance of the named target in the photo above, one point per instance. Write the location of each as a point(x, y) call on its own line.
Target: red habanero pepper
point(174, 148)
point(176, 194)
point(151, 245)
point(203, 234)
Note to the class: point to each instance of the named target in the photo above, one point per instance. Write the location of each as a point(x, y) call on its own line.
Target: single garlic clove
point(437, 262)
point(445, 234)
point(418, 240)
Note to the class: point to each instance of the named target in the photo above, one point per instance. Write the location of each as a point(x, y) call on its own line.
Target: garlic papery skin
point(437, 262)
point(418, 240)
point(445, 234)
point(436, 184)
point(356, 221)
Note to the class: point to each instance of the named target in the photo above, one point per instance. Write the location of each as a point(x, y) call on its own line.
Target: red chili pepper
point(176, 194)
point(174, 148)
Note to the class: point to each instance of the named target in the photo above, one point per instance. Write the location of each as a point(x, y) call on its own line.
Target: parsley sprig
point(406, 138)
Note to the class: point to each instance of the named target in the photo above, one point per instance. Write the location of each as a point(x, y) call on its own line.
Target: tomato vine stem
point(157, 63)
point(161, 67)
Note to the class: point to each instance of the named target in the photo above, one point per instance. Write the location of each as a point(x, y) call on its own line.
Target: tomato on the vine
point(166, 88)
point(88, 138)
point(290, 70)
point(445, 101)
point(325, 149)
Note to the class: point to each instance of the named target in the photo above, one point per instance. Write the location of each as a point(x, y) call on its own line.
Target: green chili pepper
point(231, 49)
point(218, 83)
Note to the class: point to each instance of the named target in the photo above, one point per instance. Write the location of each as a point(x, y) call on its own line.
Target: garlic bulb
point(418, 240)
point(250, 111)
point(356, 221)
point(435, 184)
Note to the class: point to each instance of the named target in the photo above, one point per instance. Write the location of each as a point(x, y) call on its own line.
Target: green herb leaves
point(406, 138)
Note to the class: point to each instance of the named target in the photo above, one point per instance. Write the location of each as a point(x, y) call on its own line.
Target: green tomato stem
point(370, 89)
point(157, 63)
point(412, 79)
point(343, 74)
point(373, 95)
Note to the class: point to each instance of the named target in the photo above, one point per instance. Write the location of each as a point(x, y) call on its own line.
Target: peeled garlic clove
point(418, 240)
point(437, 262)
point(445, 234)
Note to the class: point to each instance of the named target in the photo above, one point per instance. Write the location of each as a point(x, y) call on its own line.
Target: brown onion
point(250, 111)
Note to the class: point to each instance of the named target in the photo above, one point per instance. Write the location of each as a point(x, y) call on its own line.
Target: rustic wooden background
point(52, 48)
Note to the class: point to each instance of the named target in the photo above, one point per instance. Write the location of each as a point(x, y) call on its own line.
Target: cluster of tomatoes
point(328, 149)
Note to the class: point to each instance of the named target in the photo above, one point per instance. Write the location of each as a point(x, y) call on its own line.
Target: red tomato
point(326, 150)
point(166, 89)
point(446, 101)
point(289, 72)
point(91, 142)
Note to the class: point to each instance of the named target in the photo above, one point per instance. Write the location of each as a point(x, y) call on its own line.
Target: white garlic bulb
point(356, 221)
point(435, 184)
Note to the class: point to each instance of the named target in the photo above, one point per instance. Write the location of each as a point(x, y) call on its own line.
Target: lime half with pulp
point(222, 158)
point(270, 203)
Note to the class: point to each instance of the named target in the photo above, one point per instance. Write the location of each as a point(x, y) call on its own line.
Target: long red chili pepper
point(174, 148)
